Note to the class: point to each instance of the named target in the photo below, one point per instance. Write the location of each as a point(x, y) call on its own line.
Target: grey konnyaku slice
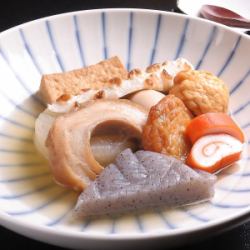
point(144, 180)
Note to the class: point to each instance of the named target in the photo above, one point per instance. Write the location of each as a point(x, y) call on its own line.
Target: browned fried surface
point(165, 127)
point(53, 86)
point(201, 91)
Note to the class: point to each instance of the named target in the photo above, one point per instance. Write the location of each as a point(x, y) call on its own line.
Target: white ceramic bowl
point(30, 202)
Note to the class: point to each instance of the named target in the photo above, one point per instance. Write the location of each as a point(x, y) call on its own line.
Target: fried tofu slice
point(103, 74)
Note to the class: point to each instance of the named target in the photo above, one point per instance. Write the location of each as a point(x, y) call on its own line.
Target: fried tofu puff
point(164, 131)
point(201, 91)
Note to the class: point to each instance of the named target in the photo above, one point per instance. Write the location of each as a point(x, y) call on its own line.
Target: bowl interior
point(139, 38)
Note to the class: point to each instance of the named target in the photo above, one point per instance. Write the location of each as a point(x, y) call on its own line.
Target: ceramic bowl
point(30, 202)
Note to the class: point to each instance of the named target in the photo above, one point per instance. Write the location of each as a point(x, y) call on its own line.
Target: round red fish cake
point(164, 131)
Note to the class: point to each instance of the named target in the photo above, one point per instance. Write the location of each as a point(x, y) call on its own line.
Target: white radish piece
point(106, 147)
point(42, 126)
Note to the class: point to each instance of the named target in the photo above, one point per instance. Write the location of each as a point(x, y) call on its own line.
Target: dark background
point(13, 13)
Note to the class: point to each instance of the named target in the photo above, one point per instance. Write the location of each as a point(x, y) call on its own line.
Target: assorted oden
point(139, 139)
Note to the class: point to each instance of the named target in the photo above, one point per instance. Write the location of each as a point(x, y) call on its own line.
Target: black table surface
point(16, 12)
